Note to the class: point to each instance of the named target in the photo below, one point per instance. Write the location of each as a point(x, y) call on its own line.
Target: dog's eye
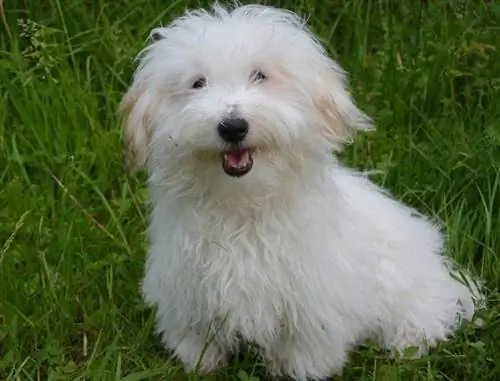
point(199, 83)
point(258, 76)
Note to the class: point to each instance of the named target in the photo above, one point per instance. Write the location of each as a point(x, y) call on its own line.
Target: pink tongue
point(237, 158)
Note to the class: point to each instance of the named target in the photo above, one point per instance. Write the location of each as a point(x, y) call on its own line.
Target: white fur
point(300, 256)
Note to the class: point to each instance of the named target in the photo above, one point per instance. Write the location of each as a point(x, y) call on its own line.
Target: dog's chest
point(247, 280)
point(250, 274)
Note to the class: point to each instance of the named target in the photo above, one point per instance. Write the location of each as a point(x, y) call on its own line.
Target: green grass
point(72, 224)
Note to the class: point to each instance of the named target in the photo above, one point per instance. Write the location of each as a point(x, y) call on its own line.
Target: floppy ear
point(341, 118)
point(135, 111)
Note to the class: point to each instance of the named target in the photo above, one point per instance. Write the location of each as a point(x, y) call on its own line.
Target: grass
point(72, 224)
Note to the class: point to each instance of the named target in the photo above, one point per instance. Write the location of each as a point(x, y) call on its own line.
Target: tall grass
point(72, 224)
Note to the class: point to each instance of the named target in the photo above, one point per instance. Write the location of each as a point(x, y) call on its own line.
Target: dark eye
point(258, 76)
point(199, 83)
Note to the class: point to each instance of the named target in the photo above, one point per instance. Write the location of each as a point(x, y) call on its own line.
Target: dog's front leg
point(307, 355)
point(195, 353)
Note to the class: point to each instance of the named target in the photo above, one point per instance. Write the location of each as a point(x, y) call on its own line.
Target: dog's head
point(237, 93)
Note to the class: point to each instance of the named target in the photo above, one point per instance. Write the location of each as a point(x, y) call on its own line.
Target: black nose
point(233, 130)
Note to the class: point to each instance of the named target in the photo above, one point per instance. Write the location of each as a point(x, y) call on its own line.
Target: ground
point(72, 225)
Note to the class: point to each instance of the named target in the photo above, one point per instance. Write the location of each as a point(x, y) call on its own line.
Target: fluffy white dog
point(257, 233)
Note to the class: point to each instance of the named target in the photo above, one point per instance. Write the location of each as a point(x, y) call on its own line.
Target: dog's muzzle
point(236, 161)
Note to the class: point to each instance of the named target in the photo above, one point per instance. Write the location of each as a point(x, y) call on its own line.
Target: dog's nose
point(233, 130)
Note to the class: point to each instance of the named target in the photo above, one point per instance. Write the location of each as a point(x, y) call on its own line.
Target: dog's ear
point(135, 113)
point(341, 118)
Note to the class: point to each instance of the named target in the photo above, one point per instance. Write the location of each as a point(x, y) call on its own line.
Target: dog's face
point(236, 92)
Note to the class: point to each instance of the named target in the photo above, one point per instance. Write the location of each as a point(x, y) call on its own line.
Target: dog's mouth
point(237, 162)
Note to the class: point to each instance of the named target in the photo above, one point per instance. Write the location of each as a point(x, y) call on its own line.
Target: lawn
point(72, 224)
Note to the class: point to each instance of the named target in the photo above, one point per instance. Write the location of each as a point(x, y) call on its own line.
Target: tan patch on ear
point(335, 130)
point(135, 112)
point(341, 118)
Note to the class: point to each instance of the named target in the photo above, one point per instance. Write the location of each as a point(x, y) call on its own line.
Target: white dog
point(257, 234)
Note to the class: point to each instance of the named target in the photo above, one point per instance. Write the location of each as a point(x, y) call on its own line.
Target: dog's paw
point(300, 363)
point(198, 356)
